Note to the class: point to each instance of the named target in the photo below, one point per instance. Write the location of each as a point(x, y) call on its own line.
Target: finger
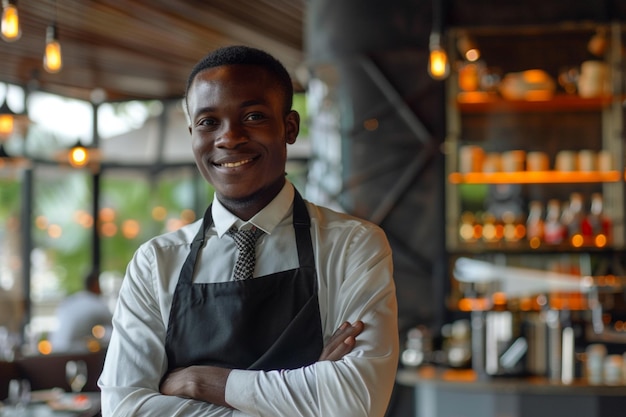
point(342, 341)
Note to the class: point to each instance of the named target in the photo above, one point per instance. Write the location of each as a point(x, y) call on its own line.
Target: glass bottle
point(575, 219)
point(553, 229)
point(596, 226)
point(534, 223)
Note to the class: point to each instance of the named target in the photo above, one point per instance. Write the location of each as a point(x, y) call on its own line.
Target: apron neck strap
point(301, 224)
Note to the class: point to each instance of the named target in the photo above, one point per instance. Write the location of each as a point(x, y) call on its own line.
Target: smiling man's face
point(240, 133)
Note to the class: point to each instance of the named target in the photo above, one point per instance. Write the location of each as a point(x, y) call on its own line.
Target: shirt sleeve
point(356, 283)
point(136, 359)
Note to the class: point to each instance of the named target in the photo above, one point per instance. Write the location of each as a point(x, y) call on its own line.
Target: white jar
point(613, 370)
point(594, 363)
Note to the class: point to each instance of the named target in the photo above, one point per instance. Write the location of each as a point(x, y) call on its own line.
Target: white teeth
point(236, 164)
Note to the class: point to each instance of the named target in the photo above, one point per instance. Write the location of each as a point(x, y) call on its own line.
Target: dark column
point(95, 202)
point(391, 124)
point(373, 58)
point(26, 223)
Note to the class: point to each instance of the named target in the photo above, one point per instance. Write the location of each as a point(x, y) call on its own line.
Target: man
point(78, 314)
point(312, 333)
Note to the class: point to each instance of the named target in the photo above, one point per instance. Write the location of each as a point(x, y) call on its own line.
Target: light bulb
point(11, 30)
point(438, 65)
point(78, 156)
point(6, 125)
point(52, 60)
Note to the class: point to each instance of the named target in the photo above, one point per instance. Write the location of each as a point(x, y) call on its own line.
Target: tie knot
point(246, 242)
point(245, 238)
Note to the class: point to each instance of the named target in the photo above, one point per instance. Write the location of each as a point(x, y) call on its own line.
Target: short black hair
point(245, 55)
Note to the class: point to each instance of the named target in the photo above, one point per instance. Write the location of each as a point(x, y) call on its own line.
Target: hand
point(205, 383)
point(342, 341)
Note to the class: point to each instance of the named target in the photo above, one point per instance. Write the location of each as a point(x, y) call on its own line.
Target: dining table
point(54, 404)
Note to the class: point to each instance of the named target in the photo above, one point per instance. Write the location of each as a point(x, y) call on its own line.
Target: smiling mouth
point(235, 164)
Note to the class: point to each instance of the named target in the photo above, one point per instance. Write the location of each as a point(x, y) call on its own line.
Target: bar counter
point(441, 392)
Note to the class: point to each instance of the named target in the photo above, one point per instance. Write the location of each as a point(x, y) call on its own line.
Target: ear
point(292, 126)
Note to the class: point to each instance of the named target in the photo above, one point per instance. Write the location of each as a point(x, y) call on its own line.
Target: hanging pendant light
point(78, 155)
point(7, 121)
point(52, 60)
point(10, 121)
point(438, 63)
point(11, 30)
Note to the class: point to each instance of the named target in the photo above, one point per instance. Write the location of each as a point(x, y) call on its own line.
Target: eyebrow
point(243, 105)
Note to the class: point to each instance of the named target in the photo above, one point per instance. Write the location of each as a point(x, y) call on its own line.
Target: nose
point(231, 135)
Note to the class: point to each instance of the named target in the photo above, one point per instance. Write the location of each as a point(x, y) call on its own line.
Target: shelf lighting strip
point(534, 177)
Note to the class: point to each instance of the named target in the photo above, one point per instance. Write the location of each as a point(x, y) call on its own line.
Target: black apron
point(264, 323)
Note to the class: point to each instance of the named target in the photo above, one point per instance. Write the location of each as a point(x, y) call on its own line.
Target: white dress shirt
point(355, 276)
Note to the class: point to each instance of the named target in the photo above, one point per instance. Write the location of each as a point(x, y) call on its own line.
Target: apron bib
point(264, 323)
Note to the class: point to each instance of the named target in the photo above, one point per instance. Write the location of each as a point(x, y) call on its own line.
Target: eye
point(206, 121)
point(256, 116)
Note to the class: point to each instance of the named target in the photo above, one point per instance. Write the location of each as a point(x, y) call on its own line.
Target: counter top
point(468, 380)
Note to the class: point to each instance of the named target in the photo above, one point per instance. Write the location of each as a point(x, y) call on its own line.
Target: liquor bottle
point(553, 229)
point(466, 228)
point(596, 226)
point(534, 223)
point(575, 219)
point(490, 229)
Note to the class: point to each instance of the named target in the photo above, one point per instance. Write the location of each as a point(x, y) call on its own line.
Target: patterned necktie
point(246, 242)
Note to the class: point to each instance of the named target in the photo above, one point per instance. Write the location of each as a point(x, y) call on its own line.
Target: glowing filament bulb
point(52, 60)
point(11, 30)
point(78, 156)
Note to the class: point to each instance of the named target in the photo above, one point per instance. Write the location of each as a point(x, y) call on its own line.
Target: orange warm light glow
point(130, 229)
point(159, 213)
point(569, 301)
point(188, 215)
point(44, 347)
point(6, 125)
point(41, 222)
point(55, 231)
point(499, 298)
point(438, 66)
point(83, 218)
point(98, 331)
point(108, 229)
point(600, 240)
point(107, 214)
point(78, 156)
point(577, 240)
point(533, 177)
point(474, 304)
point(11, 30)
point(93, 346)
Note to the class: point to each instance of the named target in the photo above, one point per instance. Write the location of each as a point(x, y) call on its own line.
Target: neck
point(247, 207)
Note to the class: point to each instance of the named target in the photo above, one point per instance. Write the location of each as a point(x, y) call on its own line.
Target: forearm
point(342, 388)
point(204, 383)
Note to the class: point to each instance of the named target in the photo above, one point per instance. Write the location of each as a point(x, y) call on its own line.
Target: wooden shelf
point(534, 177)
point(479, 102)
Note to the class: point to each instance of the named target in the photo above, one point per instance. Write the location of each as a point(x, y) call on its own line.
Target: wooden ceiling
point(143, 49)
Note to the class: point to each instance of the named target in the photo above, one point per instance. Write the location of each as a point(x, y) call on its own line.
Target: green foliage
point(126, 217)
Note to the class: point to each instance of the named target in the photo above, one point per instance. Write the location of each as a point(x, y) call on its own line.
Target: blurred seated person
point(82, 317)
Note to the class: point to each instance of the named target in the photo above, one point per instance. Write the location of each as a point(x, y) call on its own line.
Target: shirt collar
point(266, 219)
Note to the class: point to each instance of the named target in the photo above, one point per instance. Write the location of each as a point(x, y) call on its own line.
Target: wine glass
point(76, 374)
point(19, 394)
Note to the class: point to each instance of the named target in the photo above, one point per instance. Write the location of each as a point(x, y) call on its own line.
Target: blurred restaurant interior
point(485, 137)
